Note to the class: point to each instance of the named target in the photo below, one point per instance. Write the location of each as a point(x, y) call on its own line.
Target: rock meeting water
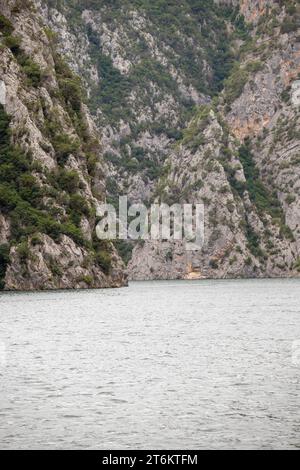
point(192, 365)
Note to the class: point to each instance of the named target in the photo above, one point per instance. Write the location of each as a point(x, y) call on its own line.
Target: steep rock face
point(164, 138)
point(267, 111)
point(241, 238)
point(145, 65)
point(197, 176)
point(51, 171)
point(252, 204)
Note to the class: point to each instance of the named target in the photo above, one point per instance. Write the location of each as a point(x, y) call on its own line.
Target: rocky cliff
point(52, 175)
point(146, 65)
point(195, 102)
point(240, 156)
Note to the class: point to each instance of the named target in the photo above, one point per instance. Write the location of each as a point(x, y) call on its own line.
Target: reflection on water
point(160, 365)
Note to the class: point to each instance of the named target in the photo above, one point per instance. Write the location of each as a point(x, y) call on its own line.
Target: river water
point(158, 365)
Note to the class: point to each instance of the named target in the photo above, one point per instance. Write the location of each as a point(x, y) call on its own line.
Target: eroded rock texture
point(52, 175)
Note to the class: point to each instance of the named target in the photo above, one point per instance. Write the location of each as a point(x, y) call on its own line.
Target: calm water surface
point(166, 365)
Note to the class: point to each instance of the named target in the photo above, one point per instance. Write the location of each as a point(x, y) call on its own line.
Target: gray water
point(160, 365)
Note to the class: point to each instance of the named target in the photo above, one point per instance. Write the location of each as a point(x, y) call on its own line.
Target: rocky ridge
point(52, 175)
point(145, 67)
point(246, 168)
point(196, 103)
point(239, 153)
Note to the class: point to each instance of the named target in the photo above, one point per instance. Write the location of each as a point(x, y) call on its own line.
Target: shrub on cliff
point(28, 66)
point(6, 27)
point(235, 84)
point(289, 25)
point(4, 260)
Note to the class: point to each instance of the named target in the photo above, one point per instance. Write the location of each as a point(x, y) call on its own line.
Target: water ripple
point(158, 365)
